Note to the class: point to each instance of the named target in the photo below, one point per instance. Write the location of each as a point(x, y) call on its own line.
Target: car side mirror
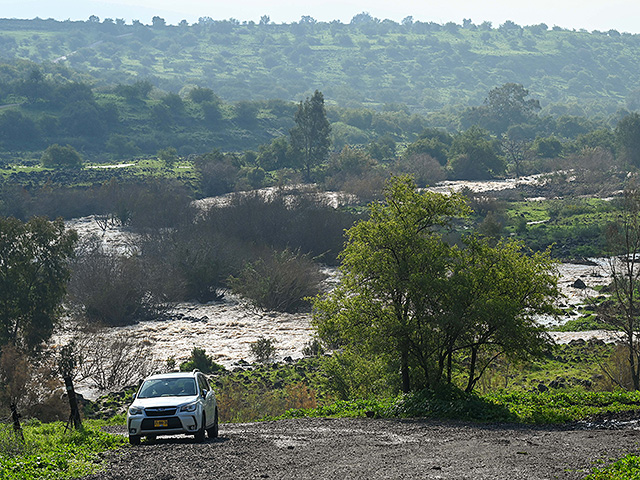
point(133, 397)
point(204, 393)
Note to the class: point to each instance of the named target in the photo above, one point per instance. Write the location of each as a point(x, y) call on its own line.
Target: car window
point(202, 382)
point(168, 387)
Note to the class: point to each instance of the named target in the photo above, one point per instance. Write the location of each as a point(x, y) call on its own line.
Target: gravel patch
point(376, 449)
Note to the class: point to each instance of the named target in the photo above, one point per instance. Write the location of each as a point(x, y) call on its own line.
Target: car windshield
point(168, 387)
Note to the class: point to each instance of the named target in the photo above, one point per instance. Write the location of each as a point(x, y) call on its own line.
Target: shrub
point(59, 156)
point(241, 403)
point(263, 349)
point(201, 361)
point(280, 282)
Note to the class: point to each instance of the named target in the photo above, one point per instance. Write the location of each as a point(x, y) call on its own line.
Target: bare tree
point(623, 309)
point(107, 363)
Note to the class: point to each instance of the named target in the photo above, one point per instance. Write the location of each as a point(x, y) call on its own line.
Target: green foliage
point(201, 361)
point(34, 272)
point(310, 136)
point(168, 156)
point(448, 402)
point(51, 451)
point(57, 156)
point(505, 106)
point(263, 349)
point(628, 138)
point(408, 295)
point(627, 468)
point(473, 155)
point(564, 406)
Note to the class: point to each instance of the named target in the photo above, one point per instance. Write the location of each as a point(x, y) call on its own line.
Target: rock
point(542, 387)
point(579, 284)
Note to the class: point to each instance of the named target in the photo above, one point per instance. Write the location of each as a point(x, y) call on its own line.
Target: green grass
point(627, 468)
point(549, 407)
point(50, 452)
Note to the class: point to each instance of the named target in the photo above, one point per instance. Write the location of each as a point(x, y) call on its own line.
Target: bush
point(280, 282)
point(263, 349)
point(58, 156)
point(110, 289)
point(201, 361)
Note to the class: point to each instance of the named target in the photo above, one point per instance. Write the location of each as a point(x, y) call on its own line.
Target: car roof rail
point(196, 370)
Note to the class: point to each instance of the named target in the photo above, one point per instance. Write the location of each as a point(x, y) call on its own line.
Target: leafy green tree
point(58, 156)
point(168, 156)
point(275, 155)
point(504, 106)
point(409, 297)
point(547, 147)
point(201, 94)
point(628, 138)
point(34, 272)
point(310, 136)
point(473, 155)
point(17, 129)
point(393, 268)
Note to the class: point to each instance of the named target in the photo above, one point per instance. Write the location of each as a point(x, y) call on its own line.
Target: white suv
point(173, 403)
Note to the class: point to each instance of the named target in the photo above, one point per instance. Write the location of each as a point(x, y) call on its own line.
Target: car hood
point(164, 401)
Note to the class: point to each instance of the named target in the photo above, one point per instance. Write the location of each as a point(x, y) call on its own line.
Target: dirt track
point(375, 449)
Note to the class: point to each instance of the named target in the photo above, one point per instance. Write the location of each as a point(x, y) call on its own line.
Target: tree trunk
point(472, 369)
point(406, 381)
point(73, 403)
point(15, 416)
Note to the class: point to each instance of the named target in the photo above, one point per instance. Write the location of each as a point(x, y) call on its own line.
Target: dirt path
point(375, 449)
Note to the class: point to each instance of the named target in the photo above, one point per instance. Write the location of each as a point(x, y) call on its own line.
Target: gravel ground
point(376, 449)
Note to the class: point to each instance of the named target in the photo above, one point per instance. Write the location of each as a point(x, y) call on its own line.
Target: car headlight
point(135, 410)
point(191, 407)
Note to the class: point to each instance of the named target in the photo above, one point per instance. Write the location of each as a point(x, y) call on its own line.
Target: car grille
point(160, 411)
point(173, 422)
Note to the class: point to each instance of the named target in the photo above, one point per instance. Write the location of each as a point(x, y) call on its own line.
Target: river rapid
point(226, 329)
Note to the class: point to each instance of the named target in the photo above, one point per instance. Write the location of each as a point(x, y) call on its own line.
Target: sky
point(621, 15)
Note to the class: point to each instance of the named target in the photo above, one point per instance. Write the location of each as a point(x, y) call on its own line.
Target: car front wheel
point(134, 439)
point(199, 436)
point(213, 431)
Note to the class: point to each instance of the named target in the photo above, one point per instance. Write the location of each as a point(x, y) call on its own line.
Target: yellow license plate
point(160, 423)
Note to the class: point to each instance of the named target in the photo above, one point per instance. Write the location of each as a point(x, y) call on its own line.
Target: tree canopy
point(422, 304)
point(310, 136)
point(34, 272)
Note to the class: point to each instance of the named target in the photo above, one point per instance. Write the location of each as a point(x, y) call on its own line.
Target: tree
point(34, 272)
point(628, 138)
point(408, 296)
point(168, 156)
point(58, 156)
point(473, 156)
point(623, 310)
point(393, 265)
point(310, 136)
point(504, 106)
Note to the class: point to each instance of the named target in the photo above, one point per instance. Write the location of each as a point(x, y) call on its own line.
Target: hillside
point(368, 62)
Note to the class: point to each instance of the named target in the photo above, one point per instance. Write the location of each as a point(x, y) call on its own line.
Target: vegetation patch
point(50, 451)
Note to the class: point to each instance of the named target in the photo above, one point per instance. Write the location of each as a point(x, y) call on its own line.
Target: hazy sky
point(622, 15)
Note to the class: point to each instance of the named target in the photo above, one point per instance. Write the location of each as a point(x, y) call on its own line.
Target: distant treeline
point(368, 62)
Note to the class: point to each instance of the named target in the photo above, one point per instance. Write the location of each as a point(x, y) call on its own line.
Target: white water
point(226, 330)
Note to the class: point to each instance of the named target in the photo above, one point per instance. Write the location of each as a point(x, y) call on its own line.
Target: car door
point(209, 399)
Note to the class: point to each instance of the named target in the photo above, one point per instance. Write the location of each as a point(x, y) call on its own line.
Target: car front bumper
point(144, 425)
